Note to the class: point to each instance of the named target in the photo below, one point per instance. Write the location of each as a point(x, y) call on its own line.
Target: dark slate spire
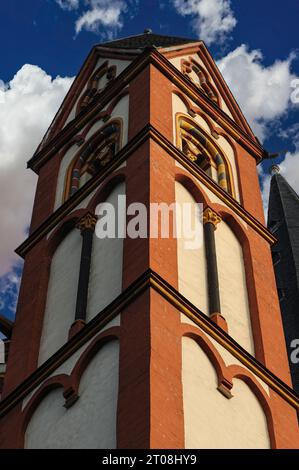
point(283, 221)
point(289, 211)
point(147, 39)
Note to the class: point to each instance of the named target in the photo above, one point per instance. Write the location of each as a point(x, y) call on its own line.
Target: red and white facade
point(150, 365)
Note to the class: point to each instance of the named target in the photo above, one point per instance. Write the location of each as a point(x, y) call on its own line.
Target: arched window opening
point(200, 149)
point(96, 154)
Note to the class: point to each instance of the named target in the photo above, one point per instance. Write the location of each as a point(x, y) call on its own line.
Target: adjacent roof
point(147, 39)
point(6, 326)
point(281, 192)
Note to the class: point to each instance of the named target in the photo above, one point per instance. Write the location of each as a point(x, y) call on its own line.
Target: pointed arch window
point(96, 153)
point(201, 149)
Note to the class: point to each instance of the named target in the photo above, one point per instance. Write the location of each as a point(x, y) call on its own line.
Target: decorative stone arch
point(62, 381)
point(224, 383)
point(93, 83)
point(76, 140)
point(105, 115)
point(68, 383)
point(103, 192)
point(190, 131)
point(108, 138)
point(193, 110)
point(215, 130)
point(235, 371)
point(62, 230)
point(182, 177)
point(204, 82)
point(112, 334)
point(226, 374)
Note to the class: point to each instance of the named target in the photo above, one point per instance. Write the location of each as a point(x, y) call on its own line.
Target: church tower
point(143, 342)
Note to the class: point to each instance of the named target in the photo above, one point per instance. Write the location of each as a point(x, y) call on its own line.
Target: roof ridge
point(147, 39)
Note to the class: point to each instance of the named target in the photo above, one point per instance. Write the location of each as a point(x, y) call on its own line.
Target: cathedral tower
point(142, 342)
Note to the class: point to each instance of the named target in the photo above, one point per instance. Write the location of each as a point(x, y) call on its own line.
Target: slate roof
point(147, 39)
point(283, 221)
point(289, 200)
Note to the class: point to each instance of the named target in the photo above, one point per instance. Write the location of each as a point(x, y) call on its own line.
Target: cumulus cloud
point(104, 17)
point(263, 92)
point(212, 20)
point(102, 13)
point(290, 169)
point(28, 104)
point(289, 166)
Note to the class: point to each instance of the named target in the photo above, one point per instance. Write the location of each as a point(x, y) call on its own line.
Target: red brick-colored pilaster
point(150, 351)
point(24, 348)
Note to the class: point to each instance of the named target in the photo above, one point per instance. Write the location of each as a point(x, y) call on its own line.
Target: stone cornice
point(149, 279)
point(148, 132)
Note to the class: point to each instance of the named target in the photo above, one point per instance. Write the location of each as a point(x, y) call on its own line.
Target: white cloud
point(29, 103)
point(263, 92)
point(265, 188)
point(290, 169)
point(212, 20)
point(104, 17)
point(102, 13)
point(68, 4)
point(289, 166)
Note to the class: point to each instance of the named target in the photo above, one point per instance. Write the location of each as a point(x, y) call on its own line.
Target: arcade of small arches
point(69, 384)
point(105, 74)
point(203, 80)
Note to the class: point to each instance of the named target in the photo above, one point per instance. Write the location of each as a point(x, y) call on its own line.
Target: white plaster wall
point(232, 284)
point(67, 366)
point(227, 357)
point(61, 297)
point(120, 66)
point(211, 195)
point(192, 277)
point(91, 421)
point(178, 106)
point(65, 162)
point(106, 265)
point(211, 420)
point(121, 110)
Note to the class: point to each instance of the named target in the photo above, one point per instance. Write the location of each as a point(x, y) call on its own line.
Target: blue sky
point(40, 32)
point(45, 42)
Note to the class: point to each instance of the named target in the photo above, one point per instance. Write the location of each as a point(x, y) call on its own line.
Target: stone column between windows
point(86, 225)
point(210, 220)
